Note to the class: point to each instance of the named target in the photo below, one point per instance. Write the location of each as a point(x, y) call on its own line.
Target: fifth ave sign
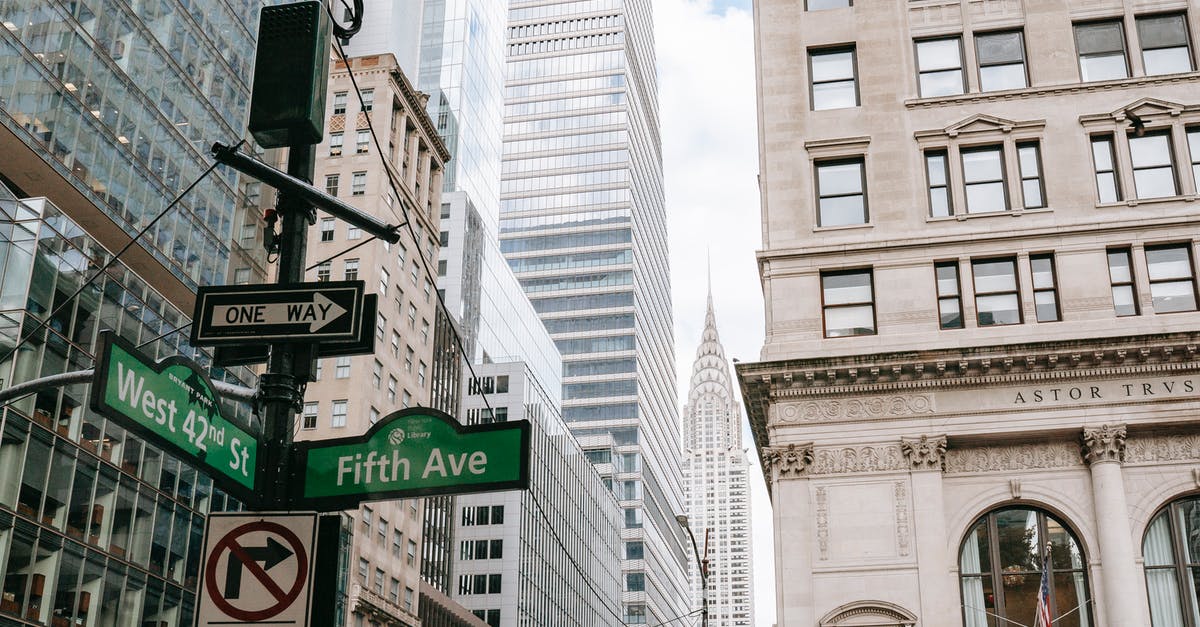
point(298, 312)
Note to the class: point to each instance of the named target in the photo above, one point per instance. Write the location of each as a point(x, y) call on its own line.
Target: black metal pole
point(282, 385)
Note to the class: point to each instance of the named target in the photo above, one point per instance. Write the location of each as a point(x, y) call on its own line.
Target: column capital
point(791, 460)
point(1105, 443)
point(925, 452)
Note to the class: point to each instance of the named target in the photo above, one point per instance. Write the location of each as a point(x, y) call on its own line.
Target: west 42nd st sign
point(172, 404)
point(412, 452)
point(299, 312)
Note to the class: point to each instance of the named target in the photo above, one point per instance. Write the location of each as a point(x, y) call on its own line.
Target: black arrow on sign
point(270, 555)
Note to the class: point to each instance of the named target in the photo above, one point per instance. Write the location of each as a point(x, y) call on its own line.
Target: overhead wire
point(407, 222)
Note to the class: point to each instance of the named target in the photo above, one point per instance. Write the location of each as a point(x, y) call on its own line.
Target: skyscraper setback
point(581, 197)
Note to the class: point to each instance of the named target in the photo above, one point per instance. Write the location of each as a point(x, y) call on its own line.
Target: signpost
point(171, 403)
point(258, 569)
point(412, 452)
point(299, 312)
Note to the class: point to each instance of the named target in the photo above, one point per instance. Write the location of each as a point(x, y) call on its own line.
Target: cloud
point(710, 152)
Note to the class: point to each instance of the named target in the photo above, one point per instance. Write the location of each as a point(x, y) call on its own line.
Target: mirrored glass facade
point(583, 224)
point(96, 526)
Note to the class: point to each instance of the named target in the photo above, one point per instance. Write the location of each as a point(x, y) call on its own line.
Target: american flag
point(1043, 606)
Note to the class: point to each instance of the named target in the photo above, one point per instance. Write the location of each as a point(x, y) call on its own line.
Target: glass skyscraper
point(583, 225)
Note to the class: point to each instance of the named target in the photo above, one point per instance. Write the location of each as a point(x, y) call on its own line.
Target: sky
point(710, 152)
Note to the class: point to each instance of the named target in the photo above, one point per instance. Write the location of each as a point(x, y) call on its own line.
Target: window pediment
point(869, 614)
point(1146, 109)
point(980, 125)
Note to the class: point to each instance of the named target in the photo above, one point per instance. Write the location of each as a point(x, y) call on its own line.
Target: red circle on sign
point(283, 598)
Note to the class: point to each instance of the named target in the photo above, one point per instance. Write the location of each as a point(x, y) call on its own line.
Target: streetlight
point(682, 519)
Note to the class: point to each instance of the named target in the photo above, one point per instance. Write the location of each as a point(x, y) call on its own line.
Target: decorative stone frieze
point(924, 453)
point(830, 410)
point(850, 459)
point(1013, 457)
point(822, 498)
point(1105, 443)
point(1162, 448)
point(790, 460)
point(902, 525)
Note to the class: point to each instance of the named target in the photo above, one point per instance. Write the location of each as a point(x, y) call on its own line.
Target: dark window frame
point(849, 4)
point(1165, 132)
point(1016, 289)
point(1179, 554)
point(979, 65)
point(1053, 289)
point(870, 272)
point(1003, 180)
point(1111, 140)
point(812, 81)
point(956, 296)
point(1187, 34)
point(1191, 279)
point(1120, 22)
point(962, 64)
point(944, 154)
point(1131, 283)
point(861, 162)
point(1040, 176)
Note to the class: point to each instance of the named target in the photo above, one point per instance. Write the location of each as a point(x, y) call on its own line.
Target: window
point(502, 384)
point(339, 413)
point(1001, 60)
point(983, 178)
point(444, 238)
point(635, 582)
point(1172, 278)
point(326, 229)
point(635, 614)
point(496, 549)
point(405, 399)
point(833, 78)
point(950, 315)
point(308, 419)
point(1000, 569)
point(353, 232)
point(1029, 159)
point(996, 298)
point(342, 369)
point(351, 266)
point(1164, 40)
point(840, 193)
point(493, 586)
point(1171, 556)
point(394, 591)
point(339, 102)
point(379, 581)
point(249, 231)
point(497, 514)
point(391, 390)
point(241, 276)
point(411, 556)
point(1101, 47)
point(441, 267)
point(384, 277)
point(368, 99)
point(1107, 184)
point(1120, 272)
point(395, 344)
point(1193, 138)
point(939, 67)
point(848, 298)
point(380, 327)
point(358, 183)
point(335, 144)
point(424, 331)
point(362, 141)
point(408, 600)
point(819, 5)
point(323, 270)
point(421, 374)
point(1045, 288)
point(937, 168)
point(634, 550)
point(363, 568)
point(408, 358)
point(1153, 169)
point(331, 184)
point(397, 542)
point(382, 528)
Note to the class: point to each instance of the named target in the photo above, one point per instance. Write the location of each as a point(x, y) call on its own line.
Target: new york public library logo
point(1110, 391)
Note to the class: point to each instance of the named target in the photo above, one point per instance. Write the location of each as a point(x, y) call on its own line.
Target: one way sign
point(297, 312)
point(258, 570)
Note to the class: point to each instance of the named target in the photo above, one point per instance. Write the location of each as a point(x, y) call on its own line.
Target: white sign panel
point(257, 569)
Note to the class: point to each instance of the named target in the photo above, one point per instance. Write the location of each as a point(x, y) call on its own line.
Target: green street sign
point(172, 404)
point(411, 452)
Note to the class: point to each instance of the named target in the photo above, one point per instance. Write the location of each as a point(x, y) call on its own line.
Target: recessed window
point(833, 79)
point(1120, 273)
point(939, 67)
point(323, 270)
point(1101, 47)
point(309, 417)
point(331, 184)
point(1000, 566)
point(339, 102)
point(983, 179)
point(335, 144)
point(351, 270)
point(1171, 556)
point(1045, 288)
point(849, 303)
point(1172, 278)
point(996, 299)
point(368, 99)
point(1107, 185)
point(339, 413)
point(937, 168)
point(1029, 159)
point(820, 5)
point(326, 229)
point(362, 141)
point(1193, 138)
point(950, 315)
point(1165, 46)
point(840, 193)
point(1153, 169)
point(1001, 60)
point(358, 183)
point(342, 369)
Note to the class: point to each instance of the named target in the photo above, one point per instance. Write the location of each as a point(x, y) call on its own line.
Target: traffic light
point(291, 69)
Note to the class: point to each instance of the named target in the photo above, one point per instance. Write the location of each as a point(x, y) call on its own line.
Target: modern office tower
point(509, 566)
point(583, 225)
point(352, 393)
point(107, 109)
point(96, 526)
point(715, 472)
point(979, 264)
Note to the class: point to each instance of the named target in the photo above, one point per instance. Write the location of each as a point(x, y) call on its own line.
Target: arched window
point(1000, 570)
point(1171, 550)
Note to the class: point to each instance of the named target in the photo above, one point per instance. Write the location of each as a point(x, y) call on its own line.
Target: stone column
point(787, 467)
point(1104, 451)
point(939, 600)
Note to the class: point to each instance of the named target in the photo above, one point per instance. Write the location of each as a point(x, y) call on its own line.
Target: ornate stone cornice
point(925, 452)
point(1136, 85)
point(1105, 443)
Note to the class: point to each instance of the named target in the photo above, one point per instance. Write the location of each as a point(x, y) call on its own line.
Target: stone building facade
point(979, 266)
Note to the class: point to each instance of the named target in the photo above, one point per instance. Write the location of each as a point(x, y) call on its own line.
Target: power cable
point(442, 304)
point(352, 248)
point(41, 325)
point(678, 618)
point(159, 337)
